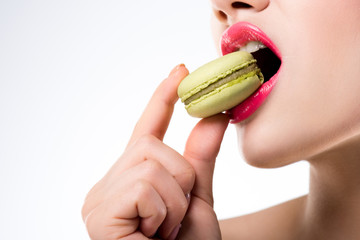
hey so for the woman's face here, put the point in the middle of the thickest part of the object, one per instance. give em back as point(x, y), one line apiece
point(315, 104)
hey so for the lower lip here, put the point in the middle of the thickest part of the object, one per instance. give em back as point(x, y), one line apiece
point(246, 108)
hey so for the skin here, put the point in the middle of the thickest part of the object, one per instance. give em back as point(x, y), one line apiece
point(313, 113)
point(147, 191)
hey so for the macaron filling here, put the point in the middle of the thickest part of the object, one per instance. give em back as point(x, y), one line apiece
point(220, 76)
point(220, 84)
point(238, 79)
point(240, 74)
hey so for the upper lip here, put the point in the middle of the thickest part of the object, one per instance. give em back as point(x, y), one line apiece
point(240, 34)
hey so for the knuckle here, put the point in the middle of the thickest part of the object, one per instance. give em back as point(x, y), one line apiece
point(189, 172)
point(183, 205)
point(146, 141)
point(186, 178)
point(152, 168)
point(178, 208)
point(161, 212)
point(92, 226)
point(89, 204)
point(142, 189)
point(84, 211)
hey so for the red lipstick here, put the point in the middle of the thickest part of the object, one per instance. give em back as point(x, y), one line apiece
point(235, 37)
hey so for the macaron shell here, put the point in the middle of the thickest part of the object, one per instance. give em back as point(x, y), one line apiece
point(212, 71)
point(224, 98)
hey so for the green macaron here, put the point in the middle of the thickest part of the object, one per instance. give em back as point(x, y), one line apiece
point(220, 84)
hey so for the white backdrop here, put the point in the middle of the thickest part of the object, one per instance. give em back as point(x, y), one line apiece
point(75, 76)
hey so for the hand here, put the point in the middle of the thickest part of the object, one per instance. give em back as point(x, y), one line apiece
point(201, 151)
point(147, 191)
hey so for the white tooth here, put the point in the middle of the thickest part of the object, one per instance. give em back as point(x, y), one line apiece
point(252, 46)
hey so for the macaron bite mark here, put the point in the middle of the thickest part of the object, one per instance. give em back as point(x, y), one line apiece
point(220, 84)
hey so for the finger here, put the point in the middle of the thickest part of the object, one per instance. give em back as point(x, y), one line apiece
point(201, 151)
point(151, 209)
point(149, 147)
point(119, 215)
point(169, 190)
point(163, 182)
point(156, 117)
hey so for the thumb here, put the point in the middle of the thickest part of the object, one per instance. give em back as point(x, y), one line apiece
point(201, 150)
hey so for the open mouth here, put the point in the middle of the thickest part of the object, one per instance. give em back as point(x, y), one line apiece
point(268, 62)
point(244, 36)
point(266, 59)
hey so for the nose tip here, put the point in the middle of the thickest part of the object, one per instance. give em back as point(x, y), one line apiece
point(225, 10)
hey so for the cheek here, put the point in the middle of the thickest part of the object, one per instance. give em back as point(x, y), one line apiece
point(304, 115)
point(315, 104)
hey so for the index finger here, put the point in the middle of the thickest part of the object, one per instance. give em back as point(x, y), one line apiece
point(156, 116)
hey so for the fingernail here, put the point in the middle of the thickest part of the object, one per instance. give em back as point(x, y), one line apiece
point(180, 65)
point(174, 233)
point(176, 68)
point(188, 197)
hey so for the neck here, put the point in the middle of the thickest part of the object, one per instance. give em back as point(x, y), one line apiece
point(333, 208)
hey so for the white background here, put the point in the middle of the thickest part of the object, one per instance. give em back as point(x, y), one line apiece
point(74, 77)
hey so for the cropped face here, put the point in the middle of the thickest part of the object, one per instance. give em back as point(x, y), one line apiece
point(314, 99)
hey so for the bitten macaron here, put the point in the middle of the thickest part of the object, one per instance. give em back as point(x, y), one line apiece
point(220, 84)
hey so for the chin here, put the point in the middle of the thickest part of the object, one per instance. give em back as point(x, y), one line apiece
point(260, 149)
